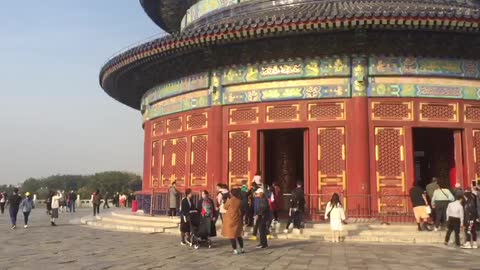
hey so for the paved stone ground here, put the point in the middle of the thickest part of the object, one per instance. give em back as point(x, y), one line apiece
point(74, 246)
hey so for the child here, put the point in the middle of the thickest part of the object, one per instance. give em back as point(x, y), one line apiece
point(27, 205)
point(455, 219)
point(334, 212)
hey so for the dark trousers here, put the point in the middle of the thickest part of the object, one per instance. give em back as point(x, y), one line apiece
point(262, 229)
point(275, 215)
point(25, 217)
point(296, 217)
point(105, 204)
point(172, 212)
point(72, 206)
point(234, 242)
point(96, 209)
point(453, 225)
point(255, 227)
point(2, 207)
point(440, 212)
point(13, 215)
point(471, 232)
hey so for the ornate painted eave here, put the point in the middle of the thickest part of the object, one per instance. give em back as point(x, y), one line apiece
point(306, 17)
point(166, 13)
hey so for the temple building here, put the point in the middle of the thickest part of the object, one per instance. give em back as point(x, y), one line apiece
point(362, 98)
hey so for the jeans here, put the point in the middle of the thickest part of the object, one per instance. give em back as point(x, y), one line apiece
point(2, 207)
point(440, 212)
point(96, 209)
point(297, 218)
point(262, 229)
point(453, 225)
point(13, 215)
point(72, 206)
point(25, 217)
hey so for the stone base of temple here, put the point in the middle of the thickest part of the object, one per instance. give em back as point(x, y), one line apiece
point(370, 231)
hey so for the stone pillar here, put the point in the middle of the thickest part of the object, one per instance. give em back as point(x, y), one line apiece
point(358, 147)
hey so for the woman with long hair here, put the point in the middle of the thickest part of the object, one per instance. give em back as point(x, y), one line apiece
point(335, 213)
point(232, 228)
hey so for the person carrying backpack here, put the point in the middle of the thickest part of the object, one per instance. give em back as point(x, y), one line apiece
point(222, 196)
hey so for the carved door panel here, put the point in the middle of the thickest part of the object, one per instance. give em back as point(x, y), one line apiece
point(476, 154)
point(239, 157)
point(174, 161)
point(198, 160)
point(156, 162)
point(458, 155)
point(331, 164)
point(390, 169)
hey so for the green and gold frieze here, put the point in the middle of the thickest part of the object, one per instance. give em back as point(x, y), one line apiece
point(186, 102)
point(309, 68)
point(287, 90)
point(424, 88)
point(176, 87)
point(424, 66)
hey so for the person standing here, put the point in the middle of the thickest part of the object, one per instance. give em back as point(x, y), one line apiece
point(432, 187)
point(186, 208)
point(440, 200)
point(207, 211)
point(232, 228)
point(470, 219)
point(173, 199)
point(96, 199)
point(27, 205)
point(419, 204)
point(297, 208)
point(335, 213)
point(3, 201)
point(73, 201)
point(455, 218)
point(244, 195)
point(48, 201)
point(262, 213)
point(222, 195)
point(14, 201)
point(106, 197)
point(55, 205)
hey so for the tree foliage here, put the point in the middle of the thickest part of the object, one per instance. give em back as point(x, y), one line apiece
point(85, 185)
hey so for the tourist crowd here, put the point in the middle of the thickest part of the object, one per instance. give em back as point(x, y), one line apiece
point(447, 209)
point(256, 207)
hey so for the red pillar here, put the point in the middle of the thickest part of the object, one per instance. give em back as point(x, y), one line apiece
point(215, 144)
point(147, 158)
point(358, 149)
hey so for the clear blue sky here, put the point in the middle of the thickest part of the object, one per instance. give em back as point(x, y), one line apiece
point(54, 117)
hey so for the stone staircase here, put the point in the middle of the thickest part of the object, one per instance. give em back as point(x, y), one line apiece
point(369, 231)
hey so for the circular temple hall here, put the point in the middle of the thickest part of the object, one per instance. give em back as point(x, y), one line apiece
point(364, 98)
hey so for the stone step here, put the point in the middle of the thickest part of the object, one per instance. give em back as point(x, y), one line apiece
point(141, 217)
point(153, 223)
point(123, 227)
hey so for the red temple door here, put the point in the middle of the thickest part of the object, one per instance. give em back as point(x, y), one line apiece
point(458, 156)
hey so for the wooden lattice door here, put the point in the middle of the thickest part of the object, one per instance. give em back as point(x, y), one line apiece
point(390, 170)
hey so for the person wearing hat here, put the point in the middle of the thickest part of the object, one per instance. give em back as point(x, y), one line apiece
point(27, 205)
point(262, 212)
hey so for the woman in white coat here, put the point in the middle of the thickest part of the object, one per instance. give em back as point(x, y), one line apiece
point(335, 213)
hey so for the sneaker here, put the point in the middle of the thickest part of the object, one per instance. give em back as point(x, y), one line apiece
point(269, 237)
point(183, 243)
point(13, 227)
point(26, 226)
point(475, 245)
point(253, 238)
point(436, 229)
point(466, 245)
point(259, 246)
point(242, 250)
point(236, 252)
point(285, 231)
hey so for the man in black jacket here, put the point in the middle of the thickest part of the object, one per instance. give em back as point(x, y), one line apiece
point(297, 207)
point(14, 202)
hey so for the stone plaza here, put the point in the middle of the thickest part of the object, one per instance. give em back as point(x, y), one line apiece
point(71, 245)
